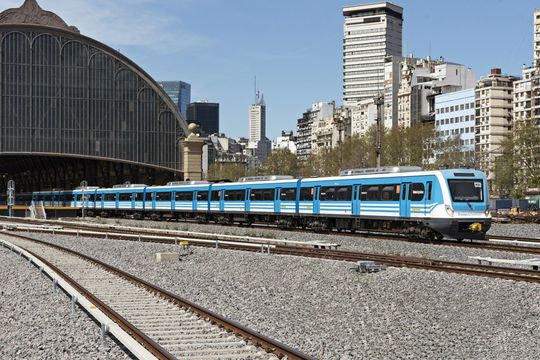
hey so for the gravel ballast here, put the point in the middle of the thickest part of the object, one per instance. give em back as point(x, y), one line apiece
point(330, 312)
point(359, 243)
point(36, 322)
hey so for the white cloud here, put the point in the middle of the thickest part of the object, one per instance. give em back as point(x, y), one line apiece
point(124, 23)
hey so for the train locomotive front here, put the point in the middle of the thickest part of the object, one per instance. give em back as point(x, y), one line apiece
point(464, 212)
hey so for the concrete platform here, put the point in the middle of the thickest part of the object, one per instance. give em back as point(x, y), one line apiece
point(167, 257)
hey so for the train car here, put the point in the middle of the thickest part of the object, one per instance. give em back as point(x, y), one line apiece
point(428, 204)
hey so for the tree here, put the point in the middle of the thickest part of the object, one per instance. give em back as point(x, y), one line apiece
point(526, 151)
point(450, 153)
point(281, 162)
point(227, 171)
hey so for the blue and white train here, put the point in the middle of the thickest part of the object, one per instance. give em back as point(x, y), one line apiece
point(428, 204)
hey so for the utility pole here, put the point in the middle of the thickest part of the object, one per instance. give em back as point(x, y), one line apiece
point(10, 197)
point(84, 185)
point(379, 102)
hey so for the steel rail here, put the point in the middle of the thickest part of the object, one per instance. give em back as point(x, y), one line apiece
point(268, 344)
point(154, 348)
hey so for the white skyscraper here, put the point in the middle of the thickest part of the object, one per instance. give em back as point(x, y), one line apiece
point(257, 119)
point(371, 33)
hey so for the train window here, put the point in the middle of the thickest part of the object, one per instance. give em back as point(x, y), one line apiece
point(306, 194)
point(215, 195)
point(390, 192)
point(163, 196)
point(202, 196)
point(138, 196)
point(429, 189)
point(262, 195)
point(184, 196)
point(344, 193)
point(110, 197)
point(327, 194)
point(288, 194)
point(91, 198)
point(235, 195)
point(99, 197)
point(124, 197)
point(370, 193)
point(416, 192)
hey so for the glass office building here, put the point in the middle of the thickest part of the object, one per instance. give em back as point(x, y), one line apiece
point(179, 92)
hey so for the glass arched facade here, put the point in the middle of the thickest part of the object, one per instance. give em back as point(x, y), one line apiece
point(63, 93)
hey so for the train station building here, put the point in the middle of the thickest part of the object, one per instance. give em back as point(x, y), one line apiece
point(74, 109)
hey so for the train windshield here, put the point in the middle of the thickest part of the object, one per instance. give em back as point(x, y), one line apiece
point(466, 190)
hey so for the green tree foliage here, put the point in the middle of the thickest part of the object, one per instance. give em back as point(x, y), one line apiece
point(281, 162)
point(226, 172)
point(450, 153)
point(526, 146)
point(517, 168)
point(503, 184)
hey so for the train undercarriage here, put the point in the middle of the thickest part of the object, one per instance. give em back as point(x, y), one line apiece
point(419, 229)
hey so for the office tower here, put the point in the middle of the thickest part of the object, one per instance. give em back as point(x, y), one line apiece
point(179, 92)
point(372, 32)
point(257, 119)
point(204, 114)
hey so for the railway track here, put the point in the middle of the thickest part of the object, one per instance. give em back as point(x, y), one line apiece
point(163, 324)
point(511, 244)
point(339, 255)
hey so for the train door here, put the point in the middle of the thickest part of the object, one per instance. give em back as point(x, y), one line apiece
point(316, 201)
point(405, 203)
point(418, 198)
point(277, 201)
point(356, 200)
point(221, 200)
point(247, 205)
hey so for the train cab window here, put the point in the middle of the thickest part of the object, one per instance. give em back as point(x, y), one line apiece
point(215, 196)
point(288, 194)
point(429, 189)
point(163, 196)
point(306, 194)
point(416, 192)
point(202, 196)
point(183, 196)
point(390, 192)
point(327, 194)
point(235, 195)
point(110, 197)
point(370, 193)
point(124, 197)
point(262, 195)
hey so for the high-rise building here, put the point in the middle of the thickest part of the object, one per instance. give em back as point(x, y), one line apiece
point(179, 92)
point(305, 126)
point(257, 119)
point(493, 113)
point(371, 33)
point(422, 80)
point(204, 114)
point(454, 118)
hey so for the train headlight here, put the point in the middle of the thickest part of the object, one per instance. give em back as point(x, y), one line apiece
point(449, 210)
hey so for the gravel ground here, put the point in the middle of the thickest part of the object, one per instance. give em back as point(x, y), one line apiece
point(36, 322)
point(330, 312)
point(370, 245)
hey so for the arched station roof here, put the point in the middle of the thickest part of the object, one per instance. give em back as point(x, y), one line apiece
point(63, 94)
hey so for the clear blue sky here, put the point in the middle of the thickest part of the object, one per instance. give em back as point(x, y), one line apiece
point(294, 47)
